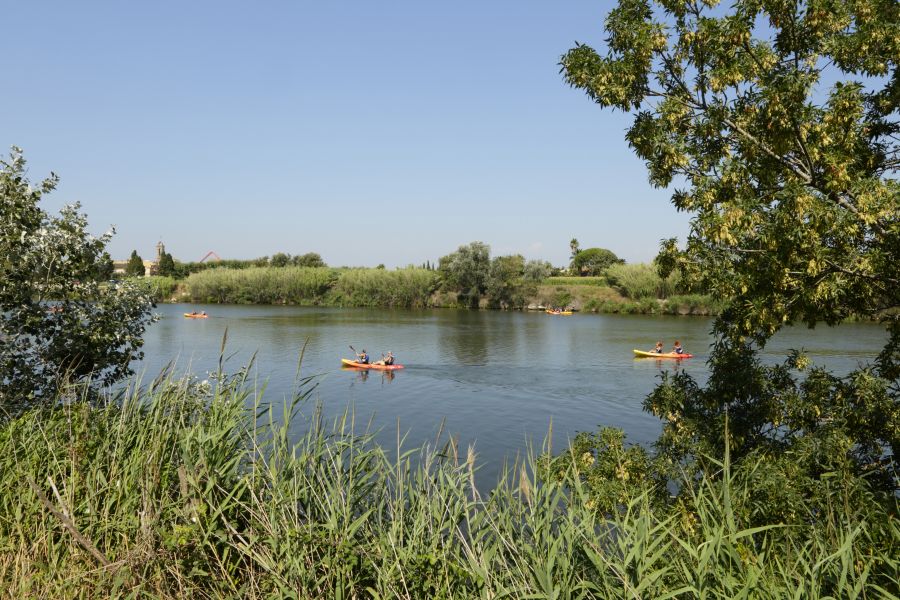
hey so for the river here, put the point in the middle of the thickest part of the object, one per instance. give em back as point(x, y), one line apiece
point(496, 380)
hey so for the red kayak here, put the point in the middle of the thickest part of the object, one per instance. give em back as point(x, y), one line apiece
point(352, 363)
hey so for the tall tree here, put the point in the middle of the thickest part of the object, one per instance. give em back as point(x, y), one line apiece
point(505, 286)
point(135, 266)
point(779, 122)
point(105, 267)
point(166, 265)
point(466, 270)
point(537, 270)
point(593, 261)
point(93, 329)
point(574, 248)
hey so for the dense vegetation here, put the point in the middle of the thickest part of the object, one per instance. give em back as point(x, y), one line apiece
point(507, 282)
point(194, 489)
point(59, 319)
point(410, 287)
point(780, 121)
point(767, 481)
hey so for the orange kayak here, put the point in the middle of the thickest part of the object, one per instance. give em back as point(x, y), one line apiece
point(642, 354)
point(195, 316)
point(564, 313)
point(352, 363)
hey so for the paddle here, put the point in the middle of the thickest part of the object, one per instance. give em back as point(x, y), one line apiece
point(355, 353)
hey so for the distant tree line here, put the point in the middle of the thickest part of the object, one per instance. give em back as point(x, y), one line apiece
point(169, 267)
point(504, 281)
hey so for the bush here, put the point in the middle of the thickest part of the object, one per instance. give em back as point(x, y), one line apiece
point(639, 281)
point(157, 287)
point(692, 304)
point(57, 320)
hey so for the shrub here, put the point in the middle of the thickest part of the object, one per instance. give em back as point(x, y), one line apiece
point(639, 281)
point(91, 329)
point(158, 287)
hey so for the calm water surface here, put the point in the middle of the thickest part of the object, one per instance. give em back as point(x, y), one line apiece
point(496, 379)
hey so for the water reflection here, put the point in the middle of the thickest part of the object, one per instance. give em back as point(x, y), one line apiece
point(494, 378)
point(362, 375)
point(467, 337)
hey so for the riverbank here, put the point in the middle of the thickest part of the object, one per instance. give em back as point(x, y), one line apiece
point(181, 488)
point(643, 293)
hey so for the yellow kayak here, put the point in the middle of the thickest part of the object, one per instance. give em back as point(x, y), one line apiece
point(564, 313)
point(352, 363)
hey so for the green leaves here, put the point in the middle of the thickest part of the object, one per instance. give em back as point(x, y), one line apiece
point(58, 320)
point(779, 121)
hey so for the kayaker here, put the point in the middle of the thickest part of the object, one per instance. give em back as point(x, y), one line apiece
point(677, 349)
point(362, 358)
point(385, 360)
point(658, 349)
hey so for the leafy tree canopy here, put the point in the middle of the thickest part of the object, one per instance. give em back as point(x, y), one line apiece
point(467, 269)
point(166, 265)
point(280, 259)
point(574, 247)
point(135, 266)
point(505, 284)
point(537, 270)
point(593, 261)
point(105, 267)
point(59, 319)
point(778, 122)
point(310, 259)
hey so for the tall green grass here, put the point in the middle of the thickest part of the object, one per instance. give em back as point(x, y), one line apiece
point(692, 304)
point(639, 281)
point(158, 287)
point(261, 285)
point(589, 281)
point(182, 489)
point(409, 288)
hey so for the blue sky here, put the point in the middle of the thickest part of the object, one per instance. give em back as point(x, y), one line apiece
point(387, 132)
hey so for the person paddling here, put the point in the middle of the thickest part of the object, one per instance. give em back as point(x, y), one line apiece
point(385, 360)
point(677, 348)
point(658, 349)
point(362, 358)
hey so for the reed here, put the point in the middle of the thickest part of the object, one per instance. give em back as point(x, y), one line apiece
point(160, 288)
point(639, 281)
point(261, 285)
point(408, 288)
point(692, 304)
point(180, 488)
point(411, 287)
point(587, 281)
